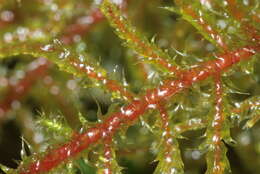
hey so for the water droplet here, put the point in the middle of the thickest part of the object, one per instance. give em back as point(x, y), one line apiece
point(7, 16)
point(64, 54)
point(37, 165)
point(55, 90)
point(68, 152)
point(195, 154)
point(23, 151)
point(38, 137)
point(57, 42)
point(71, 84)
point(8, 37)
point(161, 92)
point(85, 20)
point(118, 2)
point(215, 138)
point(38, 34)
point(91, 134)
point(246, 2)
point(48, 47)
point(168, 159)
point(4, 168)
point(244, 139)
point(76, 38)
point(221, 23)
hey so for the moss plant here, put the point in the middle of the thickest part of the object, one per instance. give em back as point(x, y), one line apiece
point(104, 97)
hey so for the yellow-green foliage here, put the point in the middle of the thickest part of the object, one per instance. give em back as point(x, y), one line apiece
point(90, 78)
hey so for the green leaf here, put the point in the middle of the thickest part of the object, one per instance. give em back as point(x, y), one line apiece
point(84, 167)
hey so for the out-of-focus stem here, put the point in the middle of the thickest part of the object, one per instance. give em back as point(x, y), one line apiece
point(35, 70)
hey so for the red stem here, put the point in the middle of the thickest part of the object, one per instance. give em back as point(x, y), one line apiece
point(19, 91)
point(26, 83)
point(217, 124)
point(112, 85)
point(128, 114)
point(108, 156)
point(239, 14)
point(79, 29)
point(148, 49)
point(166, 132)
point(206, 27)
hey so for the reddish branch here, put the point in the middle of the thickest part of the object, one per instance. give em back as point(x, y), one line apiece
point(148, 50)
point(217, 125)
point(168, 141)
point(108, 156)
point(15, 94)
point(129, 114)
point(82, 26)
point(112, 85)
point(206, 27)
point(239, 14)
point(36, 69)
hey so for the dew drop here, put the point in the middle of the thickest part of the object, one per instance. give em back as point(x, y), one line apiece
point(47, 47)
point(168, 159)
point(7, 16)
point(64, 54)
point(118, 2)
point(37, 34)
point(206, 3)
point(161, 92)
point(244, 139)
point(222, 24)
point(71, 84)
point(4, 168)
point(86, 20)
point(37, 165)
point(195, 154)
point(23, 151)
point(246, 2)
point(90, 134)
point(38, 137)
point(68, 152)
point(8, 37)
point(216, 138)
point(55, 90)
point(77, 38)
point(20, 74)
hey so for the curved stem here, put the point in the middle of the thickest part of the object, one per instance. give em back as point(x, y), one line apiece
point(129, 114)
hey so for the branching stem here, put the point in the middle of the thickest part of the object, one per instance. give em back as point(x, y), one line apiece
point(129, 114)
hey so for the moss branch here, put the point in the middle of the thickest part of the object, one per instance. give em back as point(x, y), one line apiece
point(216, 156)
point(135, 39)
point(129, 114)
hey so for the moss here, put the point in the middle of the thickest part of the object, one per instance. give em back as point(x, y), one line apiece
point(137, 106)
